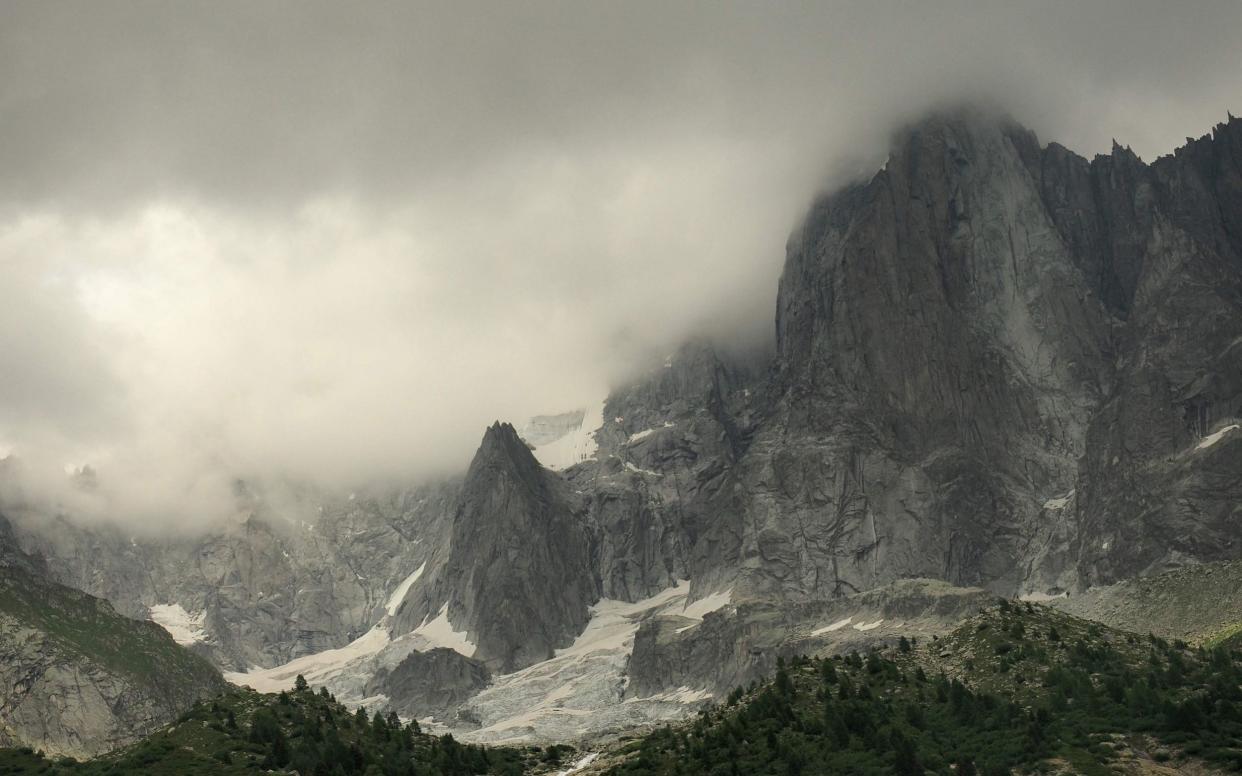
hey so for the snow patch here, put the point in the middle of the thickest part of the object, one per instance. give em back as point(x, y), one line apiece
point(185, 628)
point(836, 626)
point(1212, 439)
point(866, 626)
point(646, 432)
point(696, 610)
point(439, 633)
point(682, 694)
point(398, 595)
point(1059, 503)
point(581, 689)
point(579, 764)
point(576, 444)
point(711, 603)
point(316, 668)
point(631, 467)
point(614, 623)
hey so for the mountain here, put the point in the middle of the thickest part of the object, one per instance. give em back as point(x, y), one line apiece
point(1000, 364)
point(998, 368)
point(76, 678)
point(291, 574)
point(518, 576)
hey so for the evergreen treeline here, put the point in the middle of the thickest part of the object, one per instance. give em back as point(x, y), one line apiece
point(243, 732)
point(1020, 689)
point(1035, 695)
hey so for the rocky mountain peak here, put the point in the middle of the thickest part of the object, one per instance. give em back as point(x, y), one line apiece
point(503, 450)
point(518, 576)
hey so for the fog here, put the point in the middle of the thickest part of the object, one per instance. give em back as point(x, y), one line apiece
point(329, 243)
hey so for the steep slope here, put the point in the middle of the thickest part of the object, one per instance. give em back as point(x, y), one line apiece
point(518, 576)
point(76, 678)
point(975, 383)
point(1160, 481)
point(663, 490)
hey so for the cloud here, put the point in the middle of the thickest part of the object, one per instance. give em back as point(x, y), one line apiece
point(314, 242)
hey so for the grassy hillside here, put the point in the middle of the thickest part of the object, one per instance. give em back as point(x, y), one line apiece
point(82, 626)
point(1018, 689)
point(244, 732)
point(78, 678)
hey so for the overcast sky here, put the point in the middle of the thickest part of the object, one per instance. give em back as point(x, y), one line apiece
point(330, 242)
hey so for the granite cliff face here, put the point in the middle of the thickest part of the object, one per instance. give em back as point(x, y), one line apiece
point(1001, 365)
point(78, 679)
point(940, 356)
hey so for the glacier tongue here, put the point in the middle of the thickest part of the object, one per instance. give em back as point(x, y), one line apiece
point(580, 691)
point(322, 668)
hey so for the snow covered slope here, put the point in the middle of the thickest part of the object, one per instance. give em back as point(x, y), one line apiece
point(560, 441)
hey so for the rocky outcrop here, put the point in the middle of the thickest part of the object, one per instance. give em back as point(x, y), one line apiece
point(739, 645)
point(939, 359)
point(1200, 604)
point(1158, 485)
point(663, 493)
point(518, 576)
point(430, 684)
point(78, 679)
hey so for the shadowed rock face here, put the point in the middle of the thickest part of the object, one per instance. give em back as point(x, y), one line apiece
point(1152, 492)
point(981, 330)
point(430, 683)
point(939, 358)
point(518, 576)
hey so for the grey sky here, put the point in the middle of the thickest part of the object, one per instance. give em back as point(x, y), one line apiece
point(332, 241)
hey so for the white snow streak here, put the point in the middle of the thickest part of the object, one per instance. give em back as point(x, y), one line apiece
point(185, 628)
point(316, 668)
point(398, 595)
point(631, 467)
point(579, 764)
point(836, 626)
point(1059, 503)
point(697, 609)
point(439, 633)
point(1212, 439)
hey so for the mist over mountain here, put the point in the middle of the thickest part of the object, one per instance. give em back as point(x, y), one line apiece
point(324, 254)
point(520, 388)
